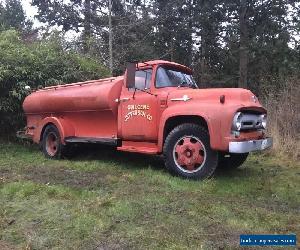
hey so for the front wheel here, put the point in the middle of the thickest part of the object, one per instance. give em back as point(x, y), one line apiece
point(188, 154)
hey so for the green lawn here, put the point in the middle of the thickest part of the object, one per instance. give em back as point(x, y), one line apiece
point(104, 199)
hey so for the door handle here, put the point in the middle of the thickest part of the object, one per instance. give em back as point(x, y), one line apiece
point(122, 100)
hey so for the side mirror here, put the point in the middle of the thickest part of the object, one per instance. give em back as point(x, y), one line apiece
point(130, 75)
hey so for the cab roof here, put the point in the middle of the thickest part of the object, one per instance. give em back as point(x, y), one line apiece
point(167, 63)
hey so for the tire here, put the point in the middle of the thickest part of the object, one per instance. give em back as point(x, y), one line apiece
point(232, 161)
point(187, 152)
point(51, 143)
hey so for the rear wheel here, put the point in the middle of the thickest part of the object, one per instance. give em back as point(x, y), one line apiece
point(232, 161)
point(51, 143)
point(188, 154)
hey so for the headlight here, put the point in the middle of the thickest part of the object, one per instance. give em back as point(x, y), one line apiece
point(263, 121)
point(237, 123)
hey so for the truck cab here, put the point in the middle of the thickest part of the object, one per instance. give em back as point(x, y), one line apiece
point(155, 108)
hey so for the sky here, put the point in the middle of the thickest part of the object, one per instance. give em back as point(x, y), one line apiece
point(30, 12)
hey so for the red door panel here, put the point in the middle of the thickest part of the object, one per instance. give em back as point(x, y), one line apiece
point(138, 116)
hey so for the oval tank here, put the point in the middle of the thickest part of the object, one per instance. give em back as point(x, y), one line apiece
point(83, 96)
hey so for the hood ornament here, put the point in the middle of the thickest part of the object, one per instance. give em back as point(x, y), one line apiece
point(185, 98)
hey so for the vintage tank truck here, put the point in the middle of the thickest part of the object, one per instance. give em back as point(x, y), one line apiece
point(155, 108)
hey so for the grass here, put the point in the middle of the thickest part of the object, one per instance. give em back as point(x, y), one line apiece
point(283, 107)
point(103, 199)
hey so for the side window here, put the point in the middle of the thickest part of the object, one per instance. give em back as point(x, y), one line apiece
point(143, 79)
point(162, 79)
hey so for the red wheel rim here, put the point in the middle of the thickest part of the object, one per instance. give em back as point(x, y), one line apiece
point(51, 144)
point(189, 154)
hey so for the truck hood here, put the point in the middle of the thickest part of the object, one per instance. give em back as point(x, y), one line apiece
point(232, 96)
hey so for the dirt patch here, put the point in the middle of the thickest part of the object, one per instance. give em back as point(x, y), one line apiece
point(5, 174)
point(67, 177)
point(111, 245)
point(6, 246)
point(220, 236)
point(57, 175)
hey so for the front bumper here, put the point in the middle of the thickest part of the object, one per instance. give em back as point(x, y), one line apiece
point(240, 147)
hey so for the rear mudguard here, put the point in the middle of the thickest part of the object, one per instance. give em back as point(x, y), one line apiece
point(64, 127)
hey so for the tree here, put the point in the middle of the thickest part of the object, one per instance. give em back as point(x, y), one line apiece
point(12, 16)
point(98, 21)
point(37, 64)
point(230, 43)
point(72, 15)
point(257, 39)
point(173, 30)
point(208, 53)
point(244, 40)
point(272, 57)
point(132, 33)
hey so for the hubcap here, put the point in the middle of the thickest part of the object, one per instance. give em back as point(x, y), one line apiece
point(51, 144)
point(189, 154)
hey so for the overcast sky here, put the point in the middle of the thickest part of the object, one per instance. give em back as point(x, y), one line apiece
point(30, 11)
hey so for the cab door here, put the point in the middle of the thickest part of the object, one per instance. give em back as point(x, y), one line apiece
point(138, 110)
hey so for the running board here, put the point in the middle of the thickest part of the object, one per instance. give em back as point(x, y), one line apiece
point(105, 141)
point(139, 147)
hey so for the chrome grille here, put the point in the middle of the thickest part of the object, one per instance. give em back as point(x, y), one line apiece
point(248, 121)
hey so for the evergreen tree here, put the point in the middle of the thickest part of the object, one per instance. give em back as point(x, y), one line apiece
point(12, 16)
point(228, 43)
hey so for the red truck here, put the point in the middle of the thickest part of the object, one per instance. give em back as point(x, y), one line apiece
point(155, 108)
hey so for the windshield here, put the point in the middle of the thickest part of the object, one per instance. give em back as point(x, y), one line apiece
point(168, 77)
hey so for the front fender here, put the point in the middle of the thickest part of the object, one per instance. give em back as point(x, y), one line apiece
point(64, 127)
point(205, 111)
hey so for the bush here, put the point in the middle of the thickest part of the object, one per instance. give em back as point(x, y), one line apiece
point(37, 64)
point(283, 107)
